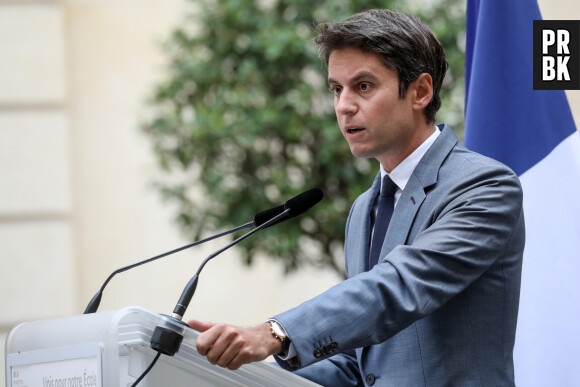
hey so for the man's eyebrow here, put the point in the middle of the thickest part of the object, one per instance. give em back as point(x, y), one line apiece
point(356, 78)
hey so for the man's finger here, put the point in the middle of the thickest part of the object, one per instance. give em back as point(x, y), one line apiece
point(207, 337)
point(199, 325)
point(227, 354)
point(224, 340)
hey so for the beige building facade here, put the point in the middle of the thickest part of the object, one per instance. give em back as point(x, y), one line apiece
point(76, 200)
point(75, 171)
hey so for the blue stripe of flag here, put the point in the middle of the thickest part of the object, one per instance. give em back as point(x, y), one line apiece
point(504, 117)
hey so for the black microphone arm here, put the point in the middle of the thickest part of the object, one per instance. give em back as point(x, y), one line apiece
point(189, 289)
point(259, 219)
point(292, 208)
point(168, 334)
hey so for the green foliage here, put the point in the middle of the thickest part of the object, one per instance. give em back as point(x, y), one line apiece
point(245, 121)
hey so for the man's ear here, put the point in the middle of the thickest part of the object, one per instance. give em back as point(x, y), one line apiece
point(422, 91)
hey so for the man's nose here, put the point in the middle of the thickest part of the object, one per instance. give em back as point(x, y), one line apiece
point(346, 103)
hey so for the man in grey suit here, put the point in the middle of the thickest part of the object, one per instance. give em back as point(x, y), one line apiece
point(434, 300)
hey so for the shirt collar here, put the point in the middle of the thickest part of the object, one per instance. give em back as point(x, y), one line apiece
point(402, 172)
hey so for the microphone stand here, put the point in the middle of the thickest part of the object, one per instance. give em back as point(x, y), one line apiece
point(167, 338)
point(168, 335)
point(293, 207)
point(96, 300)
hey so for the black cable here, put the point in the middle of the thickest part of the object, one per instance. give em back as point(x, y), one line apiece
point(147, 370)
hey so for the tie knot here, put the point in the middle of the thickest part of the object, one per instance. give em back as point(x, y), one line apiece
point(388, 188)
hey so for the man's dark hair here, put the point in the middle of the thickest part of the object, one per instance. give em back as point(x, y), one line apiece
point(402, 42)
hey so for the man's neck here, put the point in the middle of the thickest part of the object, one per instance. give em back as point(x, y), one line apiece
point(390, 162)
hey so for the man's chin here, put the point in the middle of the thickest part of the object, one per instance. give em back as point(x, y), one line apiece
point(361, 153)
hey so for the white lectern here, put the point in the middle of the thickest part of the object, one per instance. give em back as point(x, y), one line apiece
point(112, 349)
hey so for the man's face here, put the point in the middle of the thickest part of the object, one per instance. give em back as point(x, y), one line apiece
point(373, 119)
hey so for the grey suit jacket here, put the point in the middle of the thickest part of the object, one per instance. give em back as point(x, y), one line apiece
point(440, 308)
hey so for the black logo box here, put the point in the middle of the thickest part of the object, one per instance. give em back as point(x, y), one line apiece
point(573, 64)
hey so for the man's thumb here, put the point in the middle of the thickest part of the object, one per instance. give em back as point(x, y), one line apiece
point(199, 325)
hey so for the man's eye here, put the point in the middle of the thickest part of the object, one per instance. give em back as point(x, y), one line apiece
point(365, 86)
point(335, 90)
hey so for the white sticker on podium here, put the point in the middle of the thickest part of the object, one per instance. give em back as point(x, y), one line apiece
point(81, 372)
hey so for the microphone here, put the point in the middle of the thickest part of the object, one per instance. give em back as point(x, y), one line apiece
point(297, 205)
point(264, 216)
point(292, 208)
point(167, 338)
point(259, 219)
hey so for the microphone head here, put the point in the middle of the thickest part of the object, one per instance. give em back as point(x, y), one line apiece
point(264, 216)
point(299, 204)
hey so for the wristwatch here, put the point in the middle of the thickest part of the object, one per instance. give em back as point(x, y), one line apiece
point(281, 335)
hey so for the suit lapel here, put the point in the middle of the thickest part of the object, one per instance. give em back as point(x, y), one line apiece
point(424, 176)
point(363, 220)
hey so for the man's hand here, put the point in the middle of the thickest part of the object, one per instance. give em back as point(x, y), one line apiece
point(231, 347)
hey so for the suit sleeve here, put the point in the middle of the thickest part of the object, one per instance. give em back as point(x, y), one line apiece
point(339, 370)
point(462, 235)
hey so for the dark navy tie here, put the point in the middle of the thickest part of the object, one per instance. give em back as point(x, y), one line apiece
point(384, 213)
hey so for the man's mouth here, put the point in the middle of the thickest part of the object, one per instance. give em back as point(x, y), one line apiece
point(354, 130)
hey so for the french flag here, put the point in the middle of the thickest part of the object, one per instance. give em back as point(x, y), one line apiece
point(533, 132)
